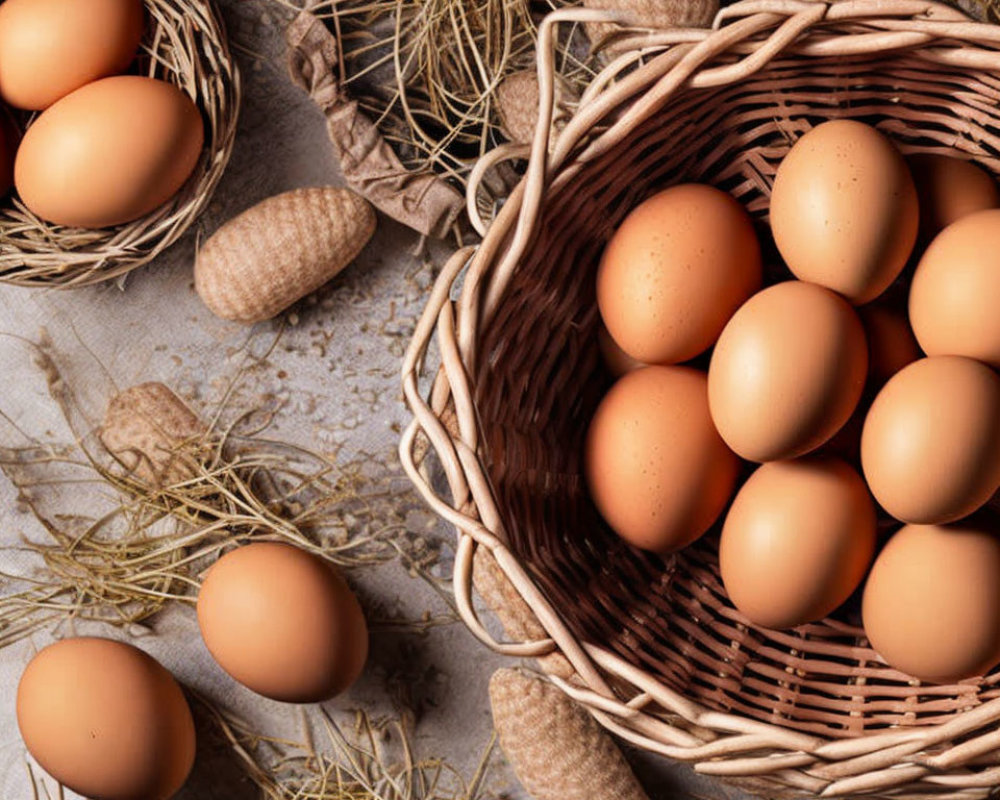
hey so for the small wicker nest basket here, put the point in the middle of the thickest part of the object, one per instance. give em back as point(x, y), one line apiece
point(653, 648)
point(185, 43)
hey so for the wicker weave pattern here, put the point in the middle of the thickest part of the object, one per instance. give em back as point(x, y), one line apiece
point(185, 44)
point(660, 656)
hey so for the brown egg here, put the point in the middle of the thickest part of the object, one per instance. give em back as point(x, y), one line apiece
point(787, 371)
point(674, 272)
point(949, 189)
point(797, 541)
point(956, 288)
point(657, 470)
point(615, 359)
point(930, 448)
point(844, 209)
point(49, 48)
point(108, 153)
point(106, 720)
point(283, 622)
point(931, 606)
point(891, 344)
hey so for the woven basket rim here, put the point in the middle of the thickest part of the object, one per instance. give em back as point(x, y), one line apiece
point(184, 43)
point(927, 760)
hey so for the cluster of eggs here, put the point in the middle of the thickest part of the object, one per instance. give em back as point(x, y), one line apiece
point(106, 720)
point(865, 378)
point(106, 148)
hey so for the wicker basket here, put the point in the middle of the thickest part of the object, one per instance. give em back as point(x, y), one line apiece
point(185, 43)
point(654, 649)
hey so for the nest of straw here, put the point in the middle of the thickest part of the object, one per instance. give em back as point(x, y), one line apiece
point(185, 44)
point(427, 71)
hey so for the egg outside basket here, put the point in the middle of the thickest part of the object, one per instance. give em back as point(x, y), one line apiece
point(653, 649)
point(185, 44)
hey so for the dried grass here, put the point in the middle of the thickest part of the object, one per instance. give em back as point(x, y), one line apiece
point(990, 9)
point(374, 761)
point(427, 70)
point(145, 546)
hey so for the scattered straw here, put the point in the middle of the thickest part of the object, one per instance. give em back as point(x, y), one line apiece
point(146, 545)
point(989, 9)
point(374, 761)
point(427, 71)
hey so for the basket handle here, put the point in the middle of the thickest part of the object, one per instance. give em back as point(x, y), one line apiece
point(467, 482)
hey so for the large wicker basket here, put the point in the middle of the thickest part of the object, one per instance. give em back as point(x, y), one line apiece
point(185, 43)
point(654, 649)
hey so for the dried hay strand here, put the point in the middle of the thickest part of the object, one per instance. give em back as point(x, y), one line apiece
point(373, 761)
point(427, 71)
point(986, 10)
point(129, 544)
point(185, 43)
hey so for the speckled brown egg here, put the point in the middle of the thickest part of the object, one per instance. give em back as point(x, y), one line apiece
point(931, 442)
point(49, 48)
point(655, 465)
point(787, 371)
point(955, 291)
point(674, 272)
point(283, 622)
point(891, 344)
point(797, 541)
point(106, 720)
point(949, 188)
point(844, 209)
point(109, 153)
point(931, 606)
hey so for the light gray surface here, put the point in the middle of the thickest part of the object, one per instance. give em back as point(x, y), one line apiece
point(336, 369)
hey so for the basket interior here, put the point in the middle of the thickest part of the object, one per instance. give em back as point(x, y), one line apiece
point(541, 377)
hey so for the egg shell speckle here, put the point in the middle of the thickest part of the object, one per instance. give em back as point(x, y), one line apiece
point(674, 272)
point(657, 469)
point(844, 209)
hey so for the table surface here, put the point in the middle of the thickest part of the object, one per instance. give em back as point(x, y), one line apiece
point(334, 370)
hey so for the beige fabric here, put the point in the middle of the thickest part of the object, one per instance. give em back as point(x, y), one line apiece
point(556, 748)
point(421, 200)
